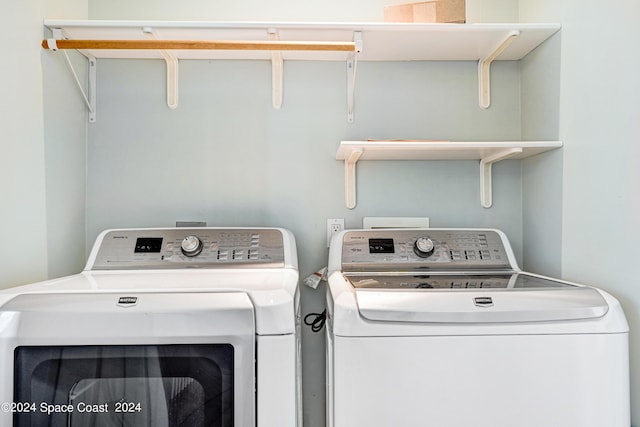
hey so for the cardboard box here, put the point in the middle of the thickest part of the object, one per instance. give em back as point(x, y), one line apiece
point(445, 11)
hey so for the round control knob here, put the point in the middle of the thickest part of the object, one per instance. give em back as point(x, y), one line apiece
point(423, 247)
point(191, 246)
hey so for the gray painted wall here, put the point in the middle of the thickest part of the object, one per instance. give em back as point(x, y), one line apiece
point(65, 126)
point(598, 124)
point(542, 174)
point(227, 157)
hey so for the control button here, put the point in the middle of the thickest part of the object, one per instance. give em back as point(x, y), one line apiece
point(423, 247)
point(424, 285)
point(191, 246)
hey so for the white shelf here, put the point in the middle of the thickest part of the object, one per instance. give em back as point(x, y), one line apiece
point(486, 152)
point(368, 42)
point(381, 41)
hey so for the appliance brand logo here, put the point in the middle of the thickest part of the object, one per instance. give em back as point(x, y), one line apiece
point(483, 301)
point(127, 301)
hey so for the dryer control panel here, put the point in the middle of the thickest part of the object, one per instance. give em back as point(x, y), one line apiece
point(190, 248)
point(440, 249)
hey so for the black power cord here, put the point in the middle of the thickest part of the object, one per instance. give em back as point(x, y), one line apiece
point(316, 320)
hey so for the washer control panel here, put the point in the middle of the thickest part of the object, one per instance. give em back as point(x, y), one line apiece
point(190, 247)
point(373, 250)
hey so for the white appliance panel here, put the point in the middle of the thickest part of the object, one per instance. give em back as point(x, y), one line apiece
point(277, 360)
point(77, 320)
point(439, 327)
point(181, 300)
point(480, 381)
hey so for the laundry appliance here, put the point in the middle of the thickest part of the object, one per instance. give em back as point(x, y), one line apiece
point(164, 327)
point(439, 327)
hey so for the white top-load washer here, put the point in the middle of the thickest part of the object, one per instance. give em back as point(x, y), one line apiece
point(164, 328)
point(439, 327)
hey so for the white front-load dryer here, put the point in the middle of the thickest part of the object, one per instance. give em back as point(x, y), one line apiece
point(164, 328)
point(439, 327)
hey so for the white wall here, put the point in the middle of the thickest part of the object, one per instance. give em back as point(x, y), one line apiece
point(285, 10)
point(599, 105)
point(23, 248)
point(25, 161)
point(231, 10)
point(491, 11)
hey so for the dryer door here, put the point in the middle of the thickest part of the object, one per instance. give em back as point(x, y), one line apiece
point(154, 359)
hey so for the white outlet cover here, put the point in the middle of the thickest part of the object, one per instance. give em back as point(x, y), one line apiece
point(335, 221)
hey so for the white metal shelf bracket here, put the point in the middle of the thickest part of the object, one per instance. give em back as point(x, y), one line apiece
point(277, 72)
point(89, 96)
point(352, 62)
point(93, 79)
point(172, 71)
point(350, 178)
point(486, 198)
point(172, 79)
point(484, 69)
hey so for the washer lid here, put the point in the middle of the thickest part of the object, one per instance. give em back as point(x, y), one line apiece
point(454, 298)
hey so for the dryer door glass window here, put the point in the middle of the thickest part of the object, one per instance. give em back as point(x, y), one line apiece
point(137, 386)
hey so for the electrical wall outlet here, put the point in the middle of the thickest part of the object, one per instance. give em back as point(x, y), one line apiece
point(334, 226)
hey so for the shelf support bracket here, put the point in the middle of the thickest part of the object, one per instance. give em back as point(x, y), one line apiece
point(89, 96)
point(352, 61)
point(484, 69)
point(277, 72)
point(172, 71)
point(350, 178)
point(172, 79)
point(486, 197)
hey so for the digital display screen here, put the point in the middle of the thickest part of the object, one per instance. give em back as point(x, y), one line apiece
point(145, 245)
point(381, 246)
